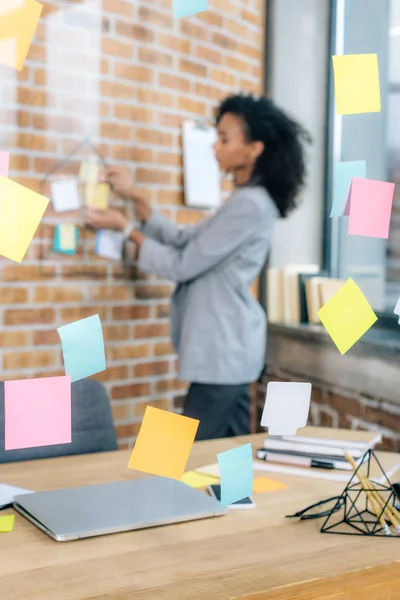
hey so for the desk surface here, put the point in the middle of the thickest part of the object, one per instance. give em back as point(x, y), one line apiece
point(241, 553)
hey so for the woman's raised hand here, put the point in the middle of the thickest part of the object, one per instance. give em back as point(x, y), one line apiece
point(121, 182)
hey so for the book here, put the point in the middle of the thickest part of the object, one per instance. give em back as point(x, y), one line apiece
point(313, 298)
point(303, 278)
point(328, 288)
point(275, 295)
point(390, 462)
point(336, 437)
point(291, 290)
point(312, 449)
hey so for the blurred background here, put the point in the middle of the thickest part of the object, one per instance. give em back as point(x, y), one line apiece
point(118, 78)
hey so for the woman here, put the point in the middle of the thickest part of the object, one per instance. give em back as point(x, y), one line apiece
point(218, 329)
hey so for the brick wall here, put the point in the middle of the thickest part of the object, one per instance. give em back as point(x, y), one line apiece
point(124, 73)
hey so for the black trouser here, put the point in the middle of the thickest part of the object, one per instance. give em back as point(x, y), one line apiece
point(223, 410)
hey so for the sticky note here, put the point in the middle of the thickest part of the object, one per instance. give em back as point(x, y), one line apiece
point(197, 480)
point(97, 194)
point(66, 237)
point(347, 316)
point(37, 412)
point(185, 8)
point(89, 171)
point(210, 470)
point(83, 347)
point(18, 23)
point(8, 493)
point(356, 84)
point(4, 163)
point(370, 207)
point(7, 523)
point(21, 211)
point(65, 195)
point(236, 474)
point(164, 443)
point(344, 173)
point(265, 484)
point(397, 309)
point(286, 408)
point(109, 244)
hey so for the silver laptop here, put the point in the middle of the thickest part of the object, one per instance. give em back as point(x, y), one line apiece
point(75, 513)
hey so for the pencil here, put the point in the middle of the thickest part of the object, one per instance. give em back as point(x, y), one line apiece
point(391, 512)
point(370, 496)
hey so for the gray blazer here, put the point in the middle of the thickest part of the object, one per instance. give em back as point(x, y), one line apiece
point(218, 329)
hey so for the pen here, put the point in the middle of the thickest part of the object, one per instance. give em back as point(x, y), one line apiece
point(302, 461)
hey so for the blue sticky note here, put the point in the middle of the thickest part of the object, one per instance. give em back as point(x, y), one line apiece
point(236, 474)
point(185, 8)
point(83, 347)
point(344, 173)
point(57, 241)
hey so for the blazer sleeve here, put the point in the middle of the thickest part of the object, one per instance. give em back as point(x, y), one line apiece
point(223, 234)
point(164, 231)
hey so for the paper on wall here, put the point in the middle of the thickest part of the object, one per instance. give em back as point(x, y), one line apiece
point(109, 244)
point(65, 195)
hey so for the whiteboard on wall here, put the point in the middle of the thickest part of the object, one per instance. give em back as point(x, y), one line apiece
point(201, 171)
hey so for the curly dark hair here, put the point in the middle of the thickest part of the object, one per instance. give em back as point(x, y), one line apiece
point(281, 166)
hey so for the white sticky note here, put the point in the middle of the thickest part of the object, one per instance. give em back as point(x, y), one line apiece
point(65, 195)
point(286, 407)
point(397, 309)
point(8, 493)
point(109, 244)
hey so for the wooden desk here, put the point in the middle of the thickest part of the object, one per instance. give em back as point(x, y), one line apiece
point(244, 552)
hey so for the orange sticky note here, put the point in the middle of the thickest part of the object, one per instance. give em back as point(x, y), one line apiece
point(18, 22)
point(265, 484)
point(163, 444)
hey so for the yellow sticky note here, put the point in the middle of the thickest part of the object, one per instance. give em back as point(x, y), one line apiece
point(21, 211)
point(7, 523)
point(347, 316)
point(265, 484)
point(67, 236)
point(18, 22)
point(197, 480)
point(163, 444)
point(96, 195)
point(210, 470)
point(89, 171)
point(356, 83)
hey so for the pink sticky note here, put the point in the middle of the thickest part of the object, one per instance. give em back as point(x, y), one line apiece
point(370, 207)
point(4, 163)
point(37, 412)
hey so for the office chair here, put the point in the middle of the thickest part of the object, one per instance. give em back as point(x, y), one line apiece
point(92, 425)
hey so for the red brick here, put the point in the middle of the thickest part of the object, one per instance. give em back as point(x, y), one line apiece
point(126, 313)
point(13, 295)
point(28, 316)
point(132, 390)
point(128, 352)
point(128, 430)
point(134, 73)
point(58, 294)
point(10, 339)
point(161, 403)
point(29, 360)
point(151, 330)
point(151, 369)
point(46, 337)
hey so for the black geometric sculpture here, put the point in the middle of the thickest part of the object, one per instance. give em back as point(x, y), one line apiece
point(354, 514)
